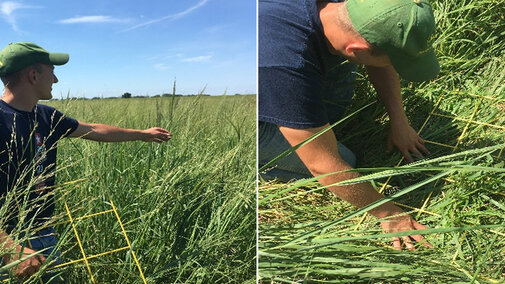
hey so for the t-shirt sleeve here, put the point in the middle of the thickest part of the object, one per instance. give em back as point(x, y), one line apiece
point(61, 125)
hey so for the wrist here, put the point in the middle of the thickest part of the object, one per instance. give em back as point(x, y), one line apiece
point(386, 210)
point(398, 120)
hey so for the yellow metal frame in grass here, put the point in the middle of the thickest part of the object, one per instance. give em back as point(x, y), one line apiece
point(85, 257)
point(468, 123)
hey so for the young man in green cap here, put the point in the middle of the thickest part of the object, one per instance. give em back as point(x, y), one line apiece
point(305, 83)
point(29, 133)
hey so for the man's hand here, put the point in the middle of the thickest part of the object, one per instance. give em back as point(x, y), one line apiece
point(387, 84)
point(156, 134)
point(406, 139)
point(404, 223)
point(28, 267)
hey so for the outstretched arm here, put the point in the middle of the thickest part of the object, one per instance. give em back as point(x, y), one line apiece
point(109, 133)
point(401, 135)
point(321, 156)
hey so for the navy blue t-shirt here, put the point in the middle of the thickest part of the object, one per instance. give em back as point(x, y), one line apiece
point(28, 143)
point(293, 61)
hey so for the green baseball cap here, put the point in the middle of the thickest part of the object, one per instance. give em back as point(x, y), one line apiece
point(19, 55)
point(404, 29)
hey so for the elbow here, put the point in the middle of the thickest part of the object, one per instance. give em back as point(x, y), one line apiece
point(318, 168)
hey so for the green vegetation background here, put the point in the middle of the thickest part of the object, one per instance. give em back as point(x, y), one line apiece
point(188, 205)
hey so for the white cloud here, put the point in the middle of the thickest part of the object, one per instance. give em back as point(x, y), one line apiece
point(161, 66)
point(201, 58)
point(7, 8)
point(170, 17)
point(91, 19)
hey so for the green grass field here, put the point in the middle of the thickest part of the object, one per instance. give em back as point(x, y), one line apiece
point(187, 206)
point(308, 235)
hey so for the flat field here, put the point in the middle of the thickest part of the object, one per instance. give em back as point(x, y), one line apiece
point(187, 206)
point(308, 235)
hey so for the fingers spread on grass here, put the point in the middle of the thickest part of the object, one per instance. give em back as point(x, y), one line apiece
point(416, 152)
point(407, 156)
point(422, 148)
point(396, 243)
point(408, 242)
point(419, 238)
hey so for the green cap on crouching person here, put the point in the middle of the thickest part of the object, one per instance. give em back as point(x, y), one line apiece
point(19, 55)
point(404, 29)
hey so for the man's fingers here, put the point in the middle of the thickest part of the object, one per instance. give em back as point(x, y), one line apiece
point(26, 272)
point(420, 239)
point(407, 156)
point(41, 258)
point(159, 129)
point(162, 130)
point(396, 243)
point(406, 225)
point(164, 135)
point(159, 137)
point(423, 149)
point(408, 242)
point(416, 152)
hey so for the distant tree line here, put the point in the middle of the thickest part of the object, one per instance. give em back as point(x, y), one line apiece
point(128, 95)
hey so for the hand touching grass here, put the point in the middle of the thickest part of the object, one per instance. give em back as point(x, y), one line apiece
point(28, 267)
point(406, 139)
point(156, 134)
point(404, 223)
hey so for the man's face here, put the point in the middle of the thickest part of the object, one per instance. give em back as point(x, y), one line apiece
point(45, 81)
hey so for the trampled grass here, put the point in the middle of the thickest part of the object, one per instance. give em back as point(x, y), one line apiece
point(307, 234)
point(187, 206)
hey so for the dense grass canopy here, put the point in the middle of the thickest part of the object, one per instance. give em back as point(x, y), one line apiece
point(307, 234)
point(187, 206)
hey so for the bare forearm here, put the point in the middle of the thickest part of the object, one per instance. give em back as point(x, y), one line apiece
point(108, 133)
point(359, 195)
point(401, 134)
point(321, 157)
point(387, 85)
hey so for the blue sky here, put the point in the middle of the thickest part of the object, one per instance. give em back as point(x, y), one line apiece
point(141, 46)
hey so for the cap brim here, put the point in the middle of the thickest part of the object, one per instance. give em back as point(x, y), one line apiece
point(58, 58)
point(420, 68)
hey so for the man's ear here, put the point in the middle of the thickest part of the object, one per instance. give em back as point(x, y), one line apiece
point(356, 47)
point(31, 75)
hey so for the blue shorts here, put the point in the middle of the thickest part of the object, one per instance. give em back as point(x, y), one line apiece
point(271, 143)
